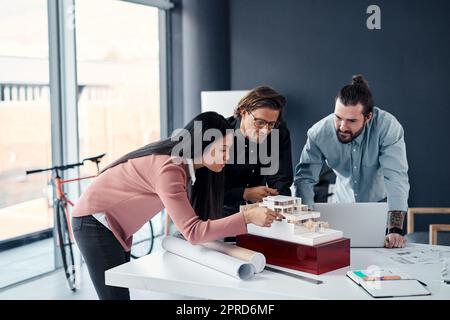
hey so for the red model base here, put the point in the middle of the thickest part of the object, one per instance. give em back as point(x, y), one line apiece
point(317, 259)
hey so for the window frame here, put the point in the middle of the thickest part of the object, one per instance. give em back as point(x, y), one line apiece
point(64, 83)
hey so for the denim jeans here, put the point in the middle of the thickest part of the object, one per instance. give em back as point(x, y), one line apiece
point(101, 251)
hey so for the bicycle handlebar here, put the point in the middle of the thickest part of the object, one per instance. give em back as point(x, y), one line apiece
point(68, 166)
point(34, 171)
point(94, 159)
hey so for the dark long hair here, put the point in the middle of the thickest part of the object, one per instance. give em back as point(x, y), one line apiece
point(206, 195)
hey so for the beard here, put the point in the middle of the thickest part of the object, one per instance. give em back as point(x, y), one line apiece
point(347, 136)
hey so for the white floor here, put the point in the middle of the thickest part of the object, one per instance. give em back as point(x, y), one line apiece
point(53, 286)
point(26, 261)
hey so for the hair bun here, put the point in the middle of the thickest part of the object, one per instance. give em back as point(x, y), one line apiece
point(359, 80)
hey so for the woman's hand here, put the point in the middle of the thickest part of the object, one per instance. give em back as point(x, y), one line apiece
point(261, 216)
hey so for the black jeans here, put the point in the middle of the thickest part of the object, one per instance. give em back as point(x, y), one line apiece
point(101, 251)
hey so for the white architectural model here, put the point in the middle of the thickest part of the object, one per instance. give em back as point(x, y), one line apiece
point(298, 225)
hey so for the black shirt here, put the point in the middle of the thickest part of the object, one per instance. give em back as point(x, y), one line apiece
point(248, 174)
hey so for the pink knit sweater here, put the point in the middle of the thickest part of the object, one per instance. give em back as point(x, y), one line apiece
point(133, 192)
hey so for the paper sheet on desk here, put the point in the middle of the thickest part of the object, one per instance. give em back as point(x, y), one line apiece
point(210, 258)
point(413, 255)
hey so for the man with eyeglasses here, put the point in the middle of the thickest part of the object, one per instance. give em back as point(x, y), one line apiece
point(256, 117)
point(365, 148)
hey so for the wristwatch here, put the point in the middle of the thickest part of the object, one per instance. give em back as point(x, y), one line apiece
point(395, 230)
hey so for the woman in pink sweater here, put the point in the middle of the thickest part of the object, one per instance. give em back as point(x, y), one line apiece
point(136, 187)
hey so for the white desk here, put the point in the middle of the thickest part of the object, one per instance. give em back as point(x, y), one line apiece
point(169, 273)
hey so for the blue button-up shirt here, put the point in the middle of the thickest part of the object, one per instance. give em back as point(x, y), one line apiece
point(369, 169)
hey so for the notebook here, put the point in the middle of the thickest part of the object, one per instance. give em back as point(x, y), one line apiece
point(388, 283)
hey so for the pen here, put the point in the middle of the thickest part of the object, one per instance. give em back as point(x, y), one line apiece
point(382, 278)
point(394, 278)
point(422, 283)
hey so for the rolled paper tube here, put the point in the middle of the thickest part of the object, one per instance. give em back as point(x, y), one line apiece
point(255, 258)
point(210, 258)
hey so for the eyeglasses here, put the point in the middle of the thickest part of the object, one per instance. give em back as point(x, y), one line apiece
point(261, 123)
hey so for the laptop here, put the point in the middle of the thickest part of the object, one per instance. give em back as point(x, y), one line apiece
point(364, 223)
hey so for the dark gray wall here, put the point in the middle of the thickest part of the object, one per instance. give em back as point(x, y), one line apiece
point(200, 55)
point(205, 48)
point(175, 118)
point(308, 49)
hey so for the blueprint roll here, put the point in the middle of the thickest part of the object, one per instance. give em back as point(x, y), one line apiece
point(210, 258)
point(255, 258)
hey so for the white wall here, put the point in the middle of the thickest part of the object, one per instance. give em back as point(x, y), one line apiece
point(222, 102)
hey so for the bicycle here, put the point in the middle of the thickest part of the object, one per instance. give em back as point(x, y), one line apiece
point(143, 241)
point(143, 244)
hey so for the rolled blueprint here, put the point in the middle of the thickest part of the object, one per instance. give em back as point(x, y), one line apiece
point(209, 258)
point(255, 258)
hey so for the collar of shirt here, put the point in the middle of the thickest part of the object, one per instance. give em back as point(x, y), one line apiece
point(237, 128)
point(191, 169)
point(234, 122)
point(367, 127)
point(240, 135)
point(360, 138)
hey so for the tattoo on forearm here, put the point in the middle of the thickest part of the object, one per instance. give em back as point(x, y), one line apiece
point(396, 219)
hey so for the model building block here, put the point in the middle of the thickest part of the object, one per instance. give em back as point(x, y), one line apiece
point(299, 226)
point(316, 259)
point(302, 241)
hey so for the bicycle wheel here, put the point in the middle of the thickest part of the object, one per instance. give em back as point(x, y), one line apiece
point(143, 241)
point(65, 245)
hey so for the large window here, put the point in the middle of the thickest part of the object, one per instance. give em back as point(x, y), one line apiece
point(117, 46)
point(25, 140)
point(118, 76)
